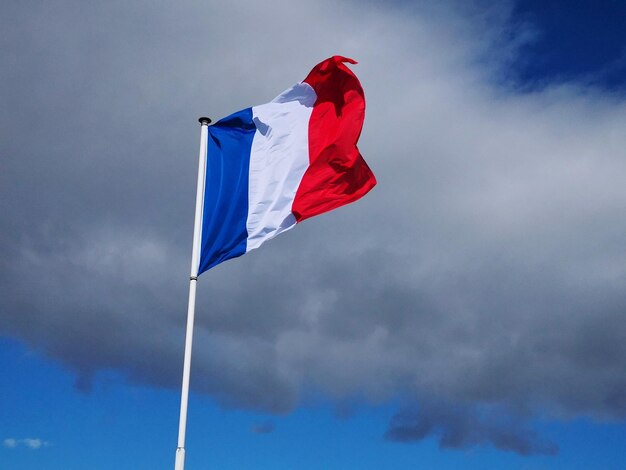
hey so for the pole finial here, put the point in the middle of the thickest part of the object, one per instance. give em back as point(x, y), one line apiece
point(204, 120)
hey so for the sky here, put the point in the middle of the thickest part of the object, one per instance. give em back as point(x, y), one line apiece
point(469, 312)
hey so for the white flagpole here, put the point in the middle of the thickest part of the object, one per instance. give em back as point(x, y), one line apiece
point(193, 279)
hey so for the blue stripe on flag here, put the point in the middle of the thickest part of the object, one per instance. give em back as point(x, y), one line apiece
point(224, 233)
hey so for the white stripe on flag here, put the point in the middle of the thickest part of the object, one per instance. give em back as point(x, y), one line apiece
point(279, 158)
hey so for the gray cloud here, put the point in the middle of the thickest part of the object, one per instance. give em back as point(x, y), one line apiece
point(461, 427)
point(487, 267)
point(266, 427)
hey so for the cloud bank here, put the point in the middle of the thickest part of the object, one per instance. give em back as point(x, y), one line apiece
point(485, 271)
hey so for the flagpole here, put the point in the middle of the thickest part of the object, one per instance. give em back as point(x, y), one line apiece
point(193, 279)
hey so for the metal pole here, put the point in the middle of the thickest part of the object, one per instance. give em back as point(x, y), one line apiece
point(193, 279)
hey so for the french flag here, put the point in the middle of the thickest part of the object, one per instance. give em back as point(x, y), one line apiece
point(272, 166)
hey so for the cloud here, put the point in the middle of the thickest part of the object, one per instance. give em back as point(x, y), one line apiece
point(30, 443)
point(10, 443)
point(265, 427)
point(34, 443)
point(462, 427)
point(487, 267)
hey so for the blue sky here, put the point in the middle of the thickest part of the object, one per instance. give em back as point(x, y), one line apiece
point(580, 41)
point(117, 425)
point(485, 303)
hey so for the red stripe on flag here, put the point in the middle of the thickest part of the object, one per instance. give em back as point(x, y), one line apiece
point(337, 174)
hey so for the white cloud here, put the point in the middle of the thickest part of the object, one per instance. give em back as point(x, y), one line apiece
point(10, 442)
point(29, 442)
point(34, 443)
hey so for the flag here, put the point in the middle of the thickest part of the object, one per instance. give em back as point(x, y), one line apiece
point(272, 166)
